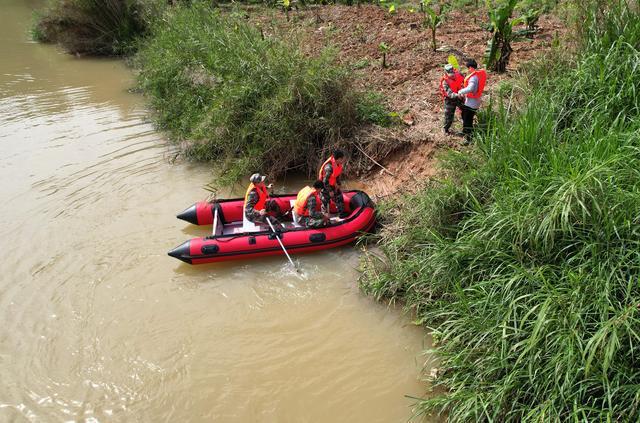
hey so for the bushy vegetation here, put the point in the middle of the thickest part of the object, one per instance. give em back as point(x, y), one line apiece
point(248, 102)
point(97, 27)
point(525, 261)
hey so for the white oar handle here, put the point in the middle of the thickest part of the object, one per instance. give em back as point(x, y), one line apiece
point(281, 244)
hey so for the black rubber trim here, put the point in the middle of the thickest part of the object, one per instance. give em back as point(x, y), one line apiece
point(210, 249)
point(319, 237)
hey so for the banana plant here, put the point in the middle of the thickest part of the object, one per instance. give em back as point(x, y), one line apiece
point(384, 49)
point(530, 17)
point(501, 25)
point(433, 18)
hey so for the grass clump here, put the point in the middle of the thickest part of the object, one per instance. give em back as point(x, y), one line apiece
point(245, 101)
point(525, 261)
point(371, 108)
point(96, 27)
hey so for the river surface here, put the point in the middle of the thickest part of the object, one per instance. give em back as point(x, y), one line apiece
point(99, 324)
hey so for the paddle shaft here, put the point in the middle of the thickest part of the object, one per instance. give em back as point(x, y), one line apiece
point(281, 244)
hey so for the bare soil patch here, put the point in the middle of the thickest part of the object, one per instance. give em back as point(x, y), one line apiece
point(410, 82)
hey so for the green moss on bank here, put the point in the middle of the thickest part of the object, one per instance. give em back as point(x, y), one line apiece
point(525, 262)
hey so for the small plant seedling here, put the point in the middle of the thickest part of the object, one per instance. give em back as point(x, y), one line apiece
point(384, 49)
point(433, 18)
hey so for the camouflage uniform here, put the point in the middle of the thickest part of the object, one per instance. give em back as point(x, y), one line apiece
point(253, 215)
point(315, 218)
point(451, 103)
point(325, 193)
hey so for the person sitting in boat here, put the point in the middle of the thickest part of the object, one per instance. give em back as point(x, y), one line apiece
point(329, 174)
point(257, 205)
point(308, 208)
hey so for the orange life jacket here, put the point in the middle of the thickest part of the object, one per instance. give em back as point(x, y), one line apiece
point(263, 195)
point(337, 170)
point(301, 201)
point(482, 79)
point(455, 83)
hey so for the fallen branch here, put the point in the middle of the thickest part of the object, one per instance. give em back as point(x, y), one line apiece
point(370, 158)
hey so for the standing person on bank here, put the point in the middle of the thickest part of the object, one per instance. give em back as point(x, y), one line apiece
point(308, 208)
point(257, 204)
point(450, 83)
point(329, 174)
point(471, 92)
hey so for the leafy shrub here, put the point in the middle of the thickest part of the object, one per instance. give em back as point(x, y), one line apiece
point(246, 102)
point(97, 27)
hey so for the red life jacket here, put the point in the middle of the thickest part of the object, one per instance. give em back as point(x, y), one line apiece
point(301, 201)
point(455, 82)
point(482, 79)
point(337, 170)
point(263, 196)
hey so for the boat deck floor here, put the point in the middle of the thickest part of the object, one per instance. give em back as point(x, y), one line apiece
point(244, 227)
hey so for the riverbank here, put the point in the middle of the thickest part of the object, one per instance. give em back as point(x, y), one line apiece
point(522, 258)
point(409, 84)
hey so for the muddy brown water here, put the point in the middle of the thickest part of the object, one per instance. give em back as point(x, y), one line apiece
point(99, 324)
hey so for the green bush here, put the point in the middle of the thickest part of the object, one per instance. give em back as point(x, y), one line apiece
point(97, 27)
point(525, 262)
point(246, 102)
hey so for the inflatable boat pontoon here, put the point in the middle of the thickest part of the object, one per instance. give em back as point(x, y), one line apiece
point(235, 238)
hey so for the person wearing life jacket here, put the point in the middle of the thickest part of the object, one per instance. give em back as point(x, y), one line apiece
point(257, 204)
point(329, 174)
point(450, 83)
point(308, 206)
point(472, 94)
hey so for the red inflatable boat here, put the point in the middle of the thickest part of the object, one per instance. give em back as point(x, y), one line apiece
point(234, 238)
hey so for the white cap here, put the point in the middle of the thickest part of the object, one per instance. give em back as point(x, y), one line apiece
point(256, 177)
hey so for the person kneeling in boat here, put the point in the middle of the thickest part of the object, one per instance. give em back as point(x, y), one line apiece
point(257, 205)
point(307, 206)
point(329, 174)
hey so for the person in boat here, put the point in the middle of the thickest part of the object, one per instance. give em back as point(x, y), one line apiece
point(308, 206)
point(329, 174)
point(257, 205)
point(450, 83)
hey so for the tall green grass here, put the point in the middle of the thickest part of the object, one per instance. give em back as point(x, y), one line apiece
point(248, 102)
point(525, 261)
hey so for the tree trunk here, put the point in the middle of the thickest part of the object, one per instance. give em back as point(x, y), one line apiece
point(433, 39)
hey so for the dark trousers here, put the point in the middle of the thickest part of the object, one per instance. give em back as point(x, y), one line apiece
point(337, 199)
point(467, 121)
point(450, 106)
